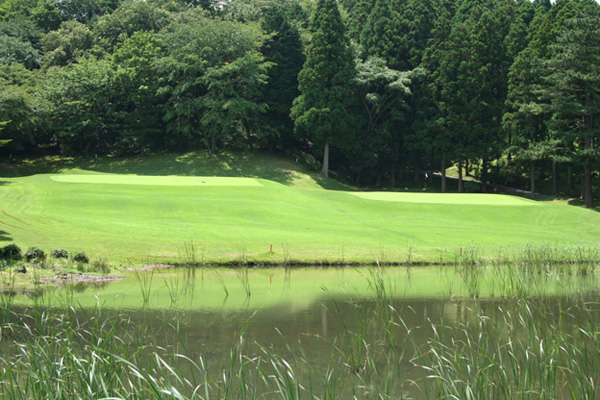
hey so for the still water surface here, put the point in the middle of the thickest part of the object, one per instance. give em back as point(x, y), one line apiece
point(327, 312)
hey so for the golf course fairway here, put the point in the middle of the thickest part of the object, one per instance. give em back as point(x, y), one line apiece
point(195, 208)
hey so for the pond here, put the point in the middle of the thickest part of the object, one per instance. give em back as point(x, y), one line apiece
point(402, 332)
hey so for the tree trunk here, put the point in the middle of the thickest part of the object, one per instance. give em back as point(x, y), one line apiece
point(212, 144)
point(417, 167)
point(393, 173)
point(554, 178)
point(570, 180)
point(401, 169)
point(498, 169)
point(587, 182)
point(467, 168)
point(587, 168)
point(325, 169)
point(431, 161)
point(484, 175)
point(443, 171)
point(532, 177)
point(86, 149)
point(460, 177)
point(509, 155)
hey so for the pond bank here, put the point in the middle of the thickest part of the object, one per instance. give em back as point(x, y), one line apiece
point(544, 258)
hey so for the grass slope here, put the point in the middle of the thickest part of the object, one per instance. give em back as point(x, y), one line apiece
point(234, 206)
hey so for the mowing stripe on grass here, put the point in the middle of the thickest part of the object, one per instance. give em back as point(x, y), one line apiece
point(448, 198)
point(113, 179)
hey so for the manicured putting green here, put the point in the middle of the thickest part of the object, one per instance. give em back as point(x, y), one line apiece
point(448, 198)
point(113, 179)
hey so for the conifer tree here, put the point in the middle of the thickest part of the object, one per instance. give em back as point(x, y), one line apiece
point(417, 22)
point(284, 49)
point(464, 8)
point(489, 84)
point(429, 120)
point(380, 36)
point(573, 89)
point(526, 118)
point(357, 18)
point(321, 112)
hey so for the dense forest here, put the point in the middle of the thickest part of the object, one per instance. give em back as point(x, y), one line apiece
point(380, 90)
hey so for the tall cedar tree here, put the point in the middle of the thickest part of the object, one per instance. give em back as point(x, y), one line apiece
point(524, 119)
point(418, 21)
point(464, 8)
point(527, 113)
point(284, 49)
point(453, 86)
point(429, 118)
point(357, 18)
point(380, 36)
point(573, 87)
point(489, 84)
point(321, 112)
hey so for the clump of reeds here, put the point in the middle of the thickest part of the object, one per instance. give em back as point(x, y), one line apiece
point(470, 270)
point(531, 351)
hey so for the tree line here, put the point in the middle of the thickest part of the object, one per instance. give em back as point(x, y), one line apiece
point(380, 90)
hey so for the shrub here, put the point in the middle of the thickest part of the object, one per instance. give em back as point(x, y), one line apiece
point(59, 253)
point(100, 265)
point(81, 258)
point(35, 254)
point(11, 252)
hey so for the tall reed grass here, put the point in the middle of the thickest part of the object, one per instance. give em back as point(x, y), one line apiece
point(525, 342)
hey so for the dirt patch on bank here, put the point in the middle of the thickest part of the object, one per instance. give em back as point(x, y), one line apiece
point(150, 267)
point(63, 277)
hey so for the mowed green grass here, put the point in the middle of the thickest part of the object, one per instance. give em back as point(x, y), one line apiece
point(448, 198)
point(235, 206)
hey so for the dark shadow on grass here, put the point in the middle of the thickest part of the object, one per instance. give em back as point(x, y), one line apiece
point(252, 165)
point(568, 200)
point(332, 184)
point(4, 237)
point(199, 164)
point(581, 203)
point(547, 198)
